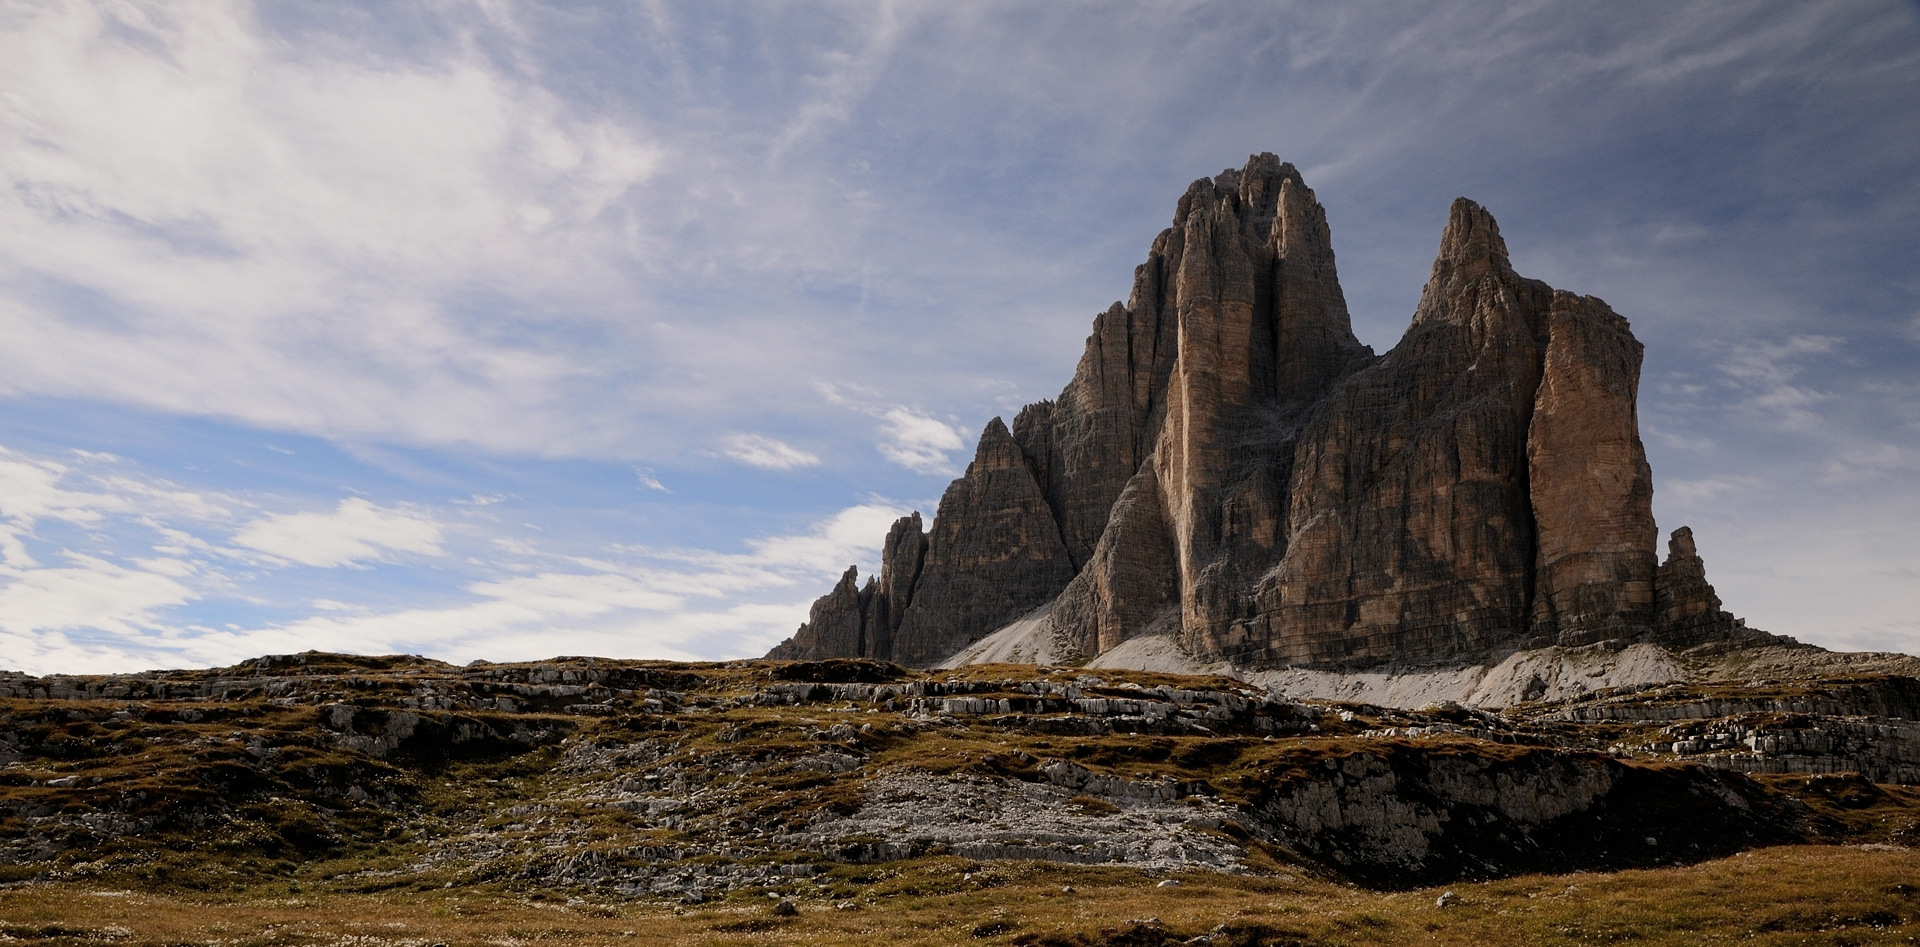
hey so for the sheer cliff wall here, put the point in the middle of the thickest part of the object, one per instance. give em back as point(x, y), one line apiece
point(1231, 467)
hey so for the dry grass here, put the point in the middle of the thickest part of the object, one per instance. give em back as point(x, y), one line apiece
point(1788, 895)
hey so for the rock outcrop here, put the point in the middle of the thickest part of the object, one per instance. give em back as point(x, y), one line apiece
point(995, 553)
point(836, 625)
point(1230, 467)
point(1688, 610)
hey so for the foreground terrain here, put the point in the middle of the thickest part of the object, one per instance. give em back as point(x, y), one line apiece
point(321, 798)
point(1792, 895)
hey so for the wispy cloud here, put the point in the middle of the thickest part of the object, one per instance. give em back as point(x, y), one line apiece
point(354, 531)
point(92, 594)
point(907, 437)
point(918, 442)
point(1692, 493)
point(677, 603)
point(272, 220)
point(1768, 374)
point(1871, 462)
point(501, 590)
point(767, 453)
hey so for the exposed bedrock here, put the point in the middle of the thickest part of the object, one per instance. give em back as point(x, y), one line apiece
point(1399, 817)
point(1231, 467)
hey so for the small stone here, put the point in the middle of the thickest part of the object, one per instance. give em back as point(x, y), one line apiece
point(1066, 889)
point(785, 909)
point(847, 906)
point(1169, 883)
point(1443, 900)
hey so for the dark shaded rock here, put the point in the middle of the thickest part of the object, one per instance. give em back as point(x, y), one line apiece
point(994, 554)
point(1411, 527)
point(1689, 611)
point(1130, 585)
point(837, 671)
point(900, 561)
point(1414, 530)
point(835, 626)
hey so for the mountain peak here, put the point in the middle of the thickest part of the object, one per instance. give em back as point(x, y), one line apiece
point(1230, 467)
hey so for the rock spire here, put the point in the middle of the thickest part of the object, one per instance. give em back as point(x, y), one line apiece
point(1231, 467)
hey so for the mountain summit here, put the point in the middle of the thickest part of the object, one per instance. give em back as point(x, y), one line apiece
point(1231, 469)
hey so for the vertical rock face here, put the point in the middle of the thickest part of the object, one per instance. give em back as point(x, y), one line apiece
point(1131, 583)
point(900, 560)
point(1412, 531)
point(1262, 333)
point(835, 626)
point(1592, 491)
point(1688, 611)
point(994, 554)
point(1229, 465)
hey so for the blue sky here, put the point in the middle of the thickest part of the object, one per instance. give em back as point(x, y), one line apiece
point(504, 330)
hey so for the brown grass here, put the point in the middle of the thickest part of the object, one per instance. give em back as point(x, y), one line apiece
point(1788, 895)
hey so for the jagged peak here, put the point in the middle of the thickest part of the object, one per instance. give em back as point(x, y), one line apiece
point(998, 450)
point(1680, 545)
point(1256, 188)
point(1472, 236)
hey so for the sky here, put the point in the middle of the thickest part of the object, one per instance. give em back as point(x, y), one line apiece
point(489, 329)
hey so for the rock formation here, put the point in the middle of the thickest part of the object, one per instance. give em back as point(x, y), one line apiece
point(1688, 610)
point(1231, 467)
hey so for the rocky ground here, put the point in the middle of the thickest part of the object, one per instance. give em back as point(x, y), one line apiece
point(686, 783)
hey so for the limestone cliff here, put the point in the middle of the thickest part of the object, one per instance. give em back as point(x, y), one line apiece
point(1230, 466)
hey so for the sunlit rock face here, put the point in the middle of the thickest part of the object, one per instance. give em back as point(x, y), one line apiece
point(1230, 467)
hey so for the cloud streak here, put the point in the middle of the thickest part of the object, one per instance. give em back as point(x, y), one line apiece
point(767, 453)
point(499, 589)
point(354, 531)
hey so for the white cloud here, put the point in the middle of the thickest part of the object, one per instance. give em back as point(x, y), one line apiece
point(767, 453)
point(672, 604)
point(503, 595)
point(91, 594)
point(355, 530)
point(852, 535)
point(33, 489)
point(918, 442)
point(909, 437)
point(263, 220)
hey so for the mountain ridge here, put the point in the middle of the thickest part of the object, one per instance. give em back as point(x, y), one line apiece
point(1231, 468)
